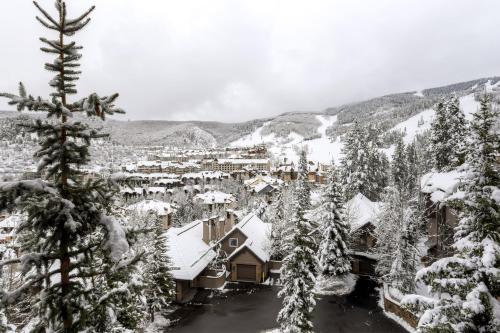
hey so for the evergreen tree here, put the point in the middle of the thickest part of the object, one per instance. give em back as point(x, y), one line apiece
point(303, 186)
point(354, 165)
point(333, 253)
point(467, 284)
point(67, 215)
point(448, 131)
point(414, 171)
point(439, 147)
point(400, 174)
point(160, 290)
point(278, 218)
point(297, 275)
point(457, 131)
point(397, 237)
point(364, 166)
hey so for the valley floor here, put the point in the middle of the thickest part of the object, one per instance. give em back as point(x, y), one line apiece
point(254, 310)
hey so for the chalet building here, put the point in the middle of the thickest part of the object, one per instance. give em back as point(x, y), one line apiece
point(241, 242)
point(246, 246)
point(263, 186)
point(287, 173)
point(362, 218)
point(191, 257)
point(216, 201)
point(163, 209)
point(439, 189)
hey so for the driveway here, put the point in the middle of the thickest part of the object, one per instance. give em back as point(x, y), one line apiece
point(255, 310)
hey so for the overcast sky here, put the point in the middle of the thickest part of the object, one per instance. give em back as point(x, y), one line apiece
point(238, 60)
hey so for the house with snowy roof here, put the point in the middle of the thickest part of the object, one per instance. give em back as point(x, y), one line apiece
point(440, 189)
point(247, 246)
point(164, 210)
point(362, 216)
point(190, 256)
point(241, 243)
point(263, 186)
point(216, 200)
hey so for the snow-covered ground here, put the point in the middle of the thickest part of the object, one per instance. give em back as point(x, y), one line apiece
point(335, 285)
point(320, 149)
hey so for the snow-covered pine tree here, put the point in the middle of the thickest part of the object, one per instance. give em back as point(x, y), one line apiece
point(67, 215)
point(397, 237)
point(448, 131)
point(439, 140)
point(466, 285)
point(399, 168)
point(278, 216)
point(457, 131)
point(414, 171)
point(364, 166)
point(354, 165)
point(160, 288)
point(297, 275)
point(303, 186)
point(333, 252)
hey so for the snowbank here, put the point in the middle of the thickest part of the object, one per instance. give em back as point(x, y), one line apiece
point(335, 285)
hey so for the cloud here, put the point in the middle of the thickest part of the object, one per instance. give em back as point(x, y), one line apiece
point(238, 60)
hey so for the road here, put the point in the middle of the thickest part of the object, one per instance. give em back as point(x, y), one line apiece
point(255, 310)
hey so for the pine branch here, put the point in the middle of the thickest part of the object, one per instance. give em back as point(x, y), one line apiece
point(47, 16)
point(81, 17)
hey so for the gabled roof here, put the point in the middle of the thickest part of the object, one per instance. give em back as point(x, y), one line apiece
point(160, 207)
point(257, 233)
point(361, 211)
point(190, 255)
point(218, 197)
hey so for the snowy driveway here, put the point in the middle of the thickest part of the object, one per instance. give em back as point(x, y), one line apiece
point(255, 310)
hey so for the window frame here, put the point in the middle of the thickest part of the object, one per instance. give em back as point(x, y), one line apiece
point(231, 242)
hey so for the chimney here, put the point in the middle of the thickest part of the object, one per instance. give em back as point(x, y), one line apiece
point(213, 229)
point(231, 220)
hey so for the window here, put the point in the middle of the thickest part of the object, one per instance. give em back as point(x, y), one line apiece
point(233, 242)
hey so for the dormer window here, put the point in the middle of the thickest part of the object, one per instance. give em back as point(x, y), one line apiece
point(233, 242)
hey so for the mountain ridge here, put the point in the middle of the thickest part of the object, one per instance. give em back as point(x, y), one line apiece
point(387, 111)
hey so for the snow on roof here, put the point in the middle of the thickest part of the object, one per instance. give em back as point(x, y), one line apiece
point(259, 187)
point(137, 190)
point(243, 161)
point(259, 179)
point(361, 211)
point(155, 189)
point(167, 181)
point(190, 255)
point(217, 197)
point(157, 206)
point(257, 233)
point(205, 174)
point(11, 221)
point(440, 185)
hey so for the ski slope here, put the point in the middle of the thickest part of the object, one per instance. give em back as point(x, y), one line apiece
point(320, 150)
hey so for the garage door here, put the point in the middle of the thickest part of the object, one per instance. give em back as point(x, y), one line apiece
point(246, 272)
